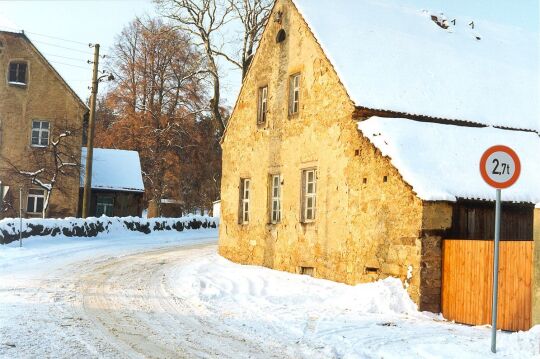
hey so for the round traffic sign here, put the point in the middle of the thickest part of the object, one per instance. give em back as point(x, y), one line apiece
point(500, 166)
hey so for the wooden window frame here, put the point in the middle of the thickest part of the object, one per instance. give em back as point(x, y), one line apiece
point(294, 94)
point(275, 198)
point(35, 197)
point(18, 63)
point(262, 105)
point(244, 203)
point(306, 195)
point(40, 133)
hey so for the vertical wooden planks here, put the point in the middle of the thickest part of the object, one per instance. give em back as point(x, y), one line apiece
point(467, 282)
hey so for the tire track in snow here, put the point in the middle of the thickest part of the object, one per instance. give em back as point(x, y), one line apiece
point(128, 300)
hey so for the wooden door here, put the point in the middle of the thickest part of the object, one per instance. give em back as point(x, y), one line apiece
point(467, 282)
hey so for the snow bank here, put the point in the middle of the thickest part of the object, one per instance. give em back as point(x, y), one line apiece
point(92, 227)
point(441, 162)
point(318, 318)
point(217, 281)
point(394, 57)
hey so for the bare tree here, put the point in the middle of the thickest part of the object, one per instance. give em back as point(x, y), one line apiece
point(206, 21)
point(49, 166)
point(253, 14)
point(159, 93)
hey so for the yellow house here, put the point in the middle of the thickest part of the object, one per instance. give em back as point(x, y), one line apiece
point(36, 105)
point(352, 151)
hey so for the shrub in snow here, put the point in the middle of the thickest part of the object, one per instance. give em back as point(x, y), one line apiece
point(92, 227)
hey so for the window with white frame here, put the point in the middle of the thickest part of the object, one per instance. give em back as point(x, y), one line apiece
point(275, 198)
point(262, 106)
point(35, 201)
point(294, 94)
point(309, 194)
point(104, 206)
point(17, 73)
point(40, 133)
point(244, 200)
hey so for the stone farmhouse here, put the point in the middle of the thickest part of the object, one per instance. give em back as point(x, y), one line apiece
point(352, 152)
point(36, 105)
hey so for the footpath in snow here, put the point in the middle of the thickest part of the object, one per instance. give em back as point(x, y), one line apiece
point(170, 294)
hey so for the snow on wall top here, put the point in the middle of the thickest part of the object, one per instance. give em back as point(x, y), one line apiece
point(441, 162)
point(393, 57)
point(114, 169)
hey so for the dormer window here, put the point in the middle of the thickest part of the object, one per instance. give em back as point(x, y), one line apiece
point(17, 73)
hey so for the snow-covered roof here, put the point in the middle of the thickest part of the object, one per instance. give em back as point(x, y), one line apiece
point(441, 162)
point(393, 57)
point(112, 169)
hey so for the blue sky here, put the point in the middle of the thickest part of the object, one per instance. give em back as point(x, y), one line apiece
point(81, 21)
point(101, 21)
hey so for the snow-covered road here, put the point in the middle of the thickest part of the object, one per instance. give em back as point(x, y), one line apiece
point(170, 296)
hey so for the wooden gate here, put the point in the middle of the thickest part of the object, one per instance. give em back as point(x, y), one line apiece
point(467, 280)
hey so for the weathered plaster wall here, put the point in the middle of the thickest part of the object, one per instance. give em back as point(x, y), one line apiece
point(43, 98)
point(536, 269)
point(369, 221)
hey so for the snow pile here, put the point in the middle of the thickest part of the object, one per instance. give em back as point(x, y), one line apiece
point(93, 227)
point(114, 169)
point(441, 162)
point(317, 318)
point(219, 280)
point(393, 57)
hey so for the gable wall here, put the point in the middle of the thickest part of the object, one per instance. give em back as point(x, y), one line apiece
point(45, 98)
point(376, 224)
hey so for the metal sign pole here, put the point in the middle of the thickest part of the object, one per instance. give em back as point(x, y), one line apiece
point(20, 217)
point(495, 272)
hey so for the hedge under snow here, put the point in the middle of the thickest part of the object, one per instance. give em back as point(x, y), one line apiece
point(92, 226)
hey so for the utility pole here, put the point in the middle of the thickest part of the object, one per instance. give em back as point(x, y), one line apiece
point(90, 137)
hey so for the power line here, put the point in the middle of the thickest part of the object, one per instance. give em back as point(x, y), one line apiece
point(49, 36)
point(63, 47)
point(57, 38)
point(66, 57)
point(63, 63)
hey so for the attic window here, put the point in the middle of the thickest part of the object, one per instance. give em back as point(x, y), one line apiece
point(17, 73)
point(281, 35)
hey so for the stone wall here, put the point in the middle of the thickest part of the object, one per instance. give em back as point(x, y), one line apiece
point(45, 97)
point(436, 219)
point(536, 269)
point(369, 221)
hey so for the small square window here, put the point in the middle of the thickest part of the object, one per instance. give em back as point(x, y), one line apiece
point(17, 73)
